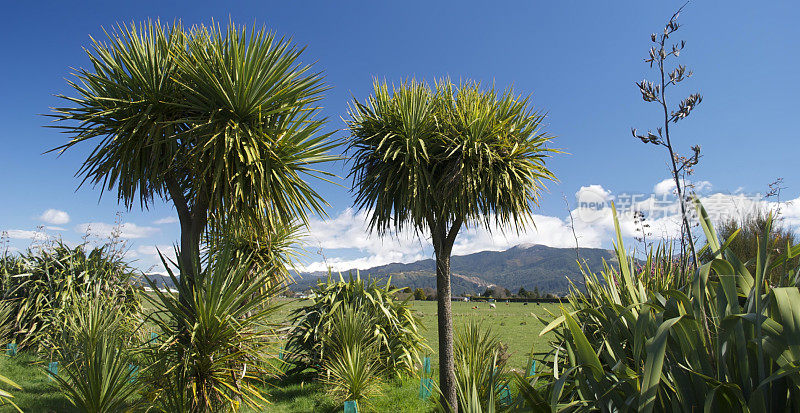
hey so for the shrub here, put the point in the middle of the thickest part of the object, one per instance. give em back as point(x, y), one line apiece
point(750, 229)
point(396, 330)
point(95, 349)
point(216, 346)
point(480, 364)
point(40, 282)
point(726, 341)
point(351, 362)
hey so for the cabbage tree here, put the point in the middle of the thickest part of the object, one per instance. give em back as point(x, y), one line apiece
point(221, 122)
point(434, 159)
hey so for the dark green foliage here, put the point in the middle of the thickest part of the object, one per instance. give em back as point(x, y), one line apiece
point(419, 294)
point(645, 339)
point(396, 328)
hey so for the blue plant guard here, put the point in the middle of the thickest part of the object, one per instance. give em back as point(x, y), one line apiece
point(351, 406)
point(280, 354)
point(134, 372)
point(52, 369)
point(153, 337)
point(504, 394)
point(532, 371)
point(425, 388)
point(426, 366)
point(11, 349)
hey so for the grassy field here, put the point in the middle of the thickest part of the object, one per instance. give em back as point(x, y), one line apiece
point(513, 323)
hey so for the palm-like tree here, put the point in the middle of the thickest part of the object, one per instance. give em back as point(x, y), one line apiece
point(435, 159)
point(222, 122)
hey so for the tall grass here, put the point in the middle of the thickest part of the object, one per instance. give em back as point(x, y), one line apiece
point(40, 282)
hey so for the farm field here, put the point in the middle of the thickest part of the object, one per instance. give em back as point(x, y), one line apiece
point(513, 323)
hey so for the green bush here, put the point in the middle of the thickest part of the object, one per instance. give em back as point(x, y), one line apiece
point(480, 364)
point(215, 348)
point(40, 282)
point(642, 340)
point(396, 329)
point(351, 362)
point(749, 230)
point(94, 347)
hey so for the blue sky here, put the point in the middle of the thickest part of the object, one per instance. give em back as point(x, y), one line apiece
point(579, 60)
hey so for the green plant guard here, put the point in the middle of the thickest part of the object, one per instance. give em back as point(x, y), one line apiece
point(52, 369)
point(351, 406)
point(425, 388)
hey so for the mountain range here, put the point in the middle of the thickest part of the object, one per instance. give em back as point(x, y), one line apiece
point(527, 265)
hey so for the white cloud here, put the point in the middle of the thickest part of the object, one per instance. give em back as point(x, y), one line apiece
point(55, 217)
point(345, 242)
point(166, 220)
point(55, 228)
point(349, 231)
point(154, 249)
point(25, 234)
point(126, 230)
point(667, 186)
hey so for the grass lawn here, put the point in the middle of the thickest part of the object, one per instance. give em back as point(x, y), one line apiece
point(38, 392)
point(513, 323)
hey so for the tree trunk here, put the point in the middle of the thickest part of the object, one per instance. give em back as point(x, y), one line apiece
point(443, 246)
point(189, 253)
point(447, 375)
point(193, 222)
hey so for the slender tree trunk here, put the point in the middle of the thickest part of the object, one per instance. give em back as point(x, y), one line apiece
point(443, 246)
point(193, 222)
point(447, 375)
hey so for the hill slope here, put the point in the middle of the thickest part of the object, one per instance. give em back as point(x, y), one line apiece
point(527, 266)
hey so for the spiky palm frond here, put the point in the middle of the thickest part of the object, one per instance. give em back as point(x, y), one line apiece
point(352, 364)
point(224, 123)
point(251, 110)
point(449, 153)
point(127, 101)
point(271, 251)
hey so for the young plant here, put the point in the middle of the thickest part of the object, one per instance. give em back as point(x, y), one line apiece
point(95, 351)
point(480, 369)
point(351, 366)
point(215, 341)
